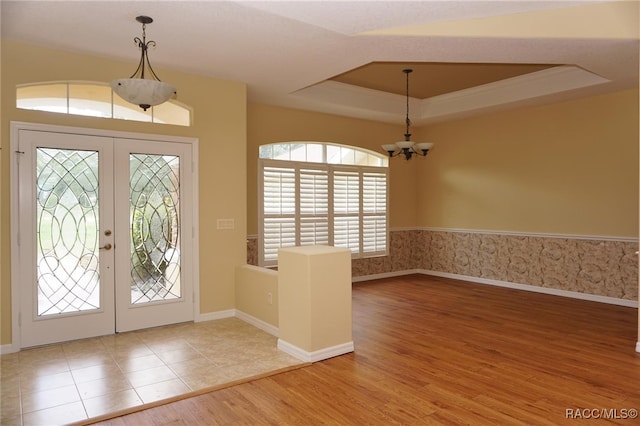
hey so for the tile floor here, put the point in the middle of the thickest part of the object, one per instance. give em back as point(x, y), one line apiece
point(74, 381)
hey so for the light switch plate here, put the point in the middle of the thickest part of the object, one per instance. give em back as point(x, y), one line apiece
point(226, 224)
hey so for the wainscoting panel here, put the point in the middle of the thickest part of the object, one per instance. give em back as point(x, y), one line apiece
point(592, 265)
point(604, 267)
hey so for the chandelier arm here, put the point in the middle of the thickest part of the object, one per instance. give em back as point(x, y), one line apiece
point(139, 43)
point(153, 73)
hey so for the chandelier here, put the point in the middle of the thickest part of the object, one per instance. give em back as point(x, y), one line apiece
point(138, 90)
point(406, 147)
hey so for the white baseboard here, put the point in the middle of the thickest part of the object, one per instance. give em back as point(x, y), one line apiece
point(385, 275)
point(315, 356)
point(536, 289)
point(210, 316)
point(258, 323)
point(8, 349)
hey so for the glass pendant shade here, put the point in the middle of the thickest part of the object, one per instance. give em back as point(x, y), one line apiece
point(143, 92)
point(424, 146)
point(404, 144)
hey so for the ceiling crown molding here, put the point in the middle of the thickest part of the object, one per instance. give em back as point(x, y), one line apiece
point(516, 89)
point(335, 97)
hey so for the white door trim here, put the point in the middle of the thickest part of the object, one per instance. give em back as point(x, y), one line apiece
point(14, 184)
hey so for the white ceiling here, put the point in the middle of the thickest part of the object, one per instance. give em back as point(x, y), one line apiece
point(287, 51)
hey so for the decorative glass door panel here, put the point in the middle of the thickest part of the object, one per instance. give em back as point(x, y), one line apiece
point(156, 245)
point(105, 243)
point(66, 220)
point(155, 227)
point(67, 228)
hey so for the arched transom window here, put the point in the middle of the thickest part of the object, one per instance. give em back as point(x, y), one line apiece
point(96, 99)
point(318, 152)
point(313, 193)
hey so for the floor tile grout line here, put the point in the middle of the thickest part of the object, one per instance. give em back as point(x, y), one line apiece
point(22, 391)
point(34, 412)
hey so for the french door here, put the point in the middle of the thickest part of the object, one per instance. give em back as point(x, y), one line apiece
point(105, 235)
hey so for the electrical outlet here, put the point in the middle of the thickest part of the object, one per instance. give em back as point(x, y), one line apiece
point(269, 298)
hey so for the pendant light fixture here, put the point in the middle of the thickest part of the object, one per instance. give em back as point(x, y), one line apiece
point(138, 90)
point(406, 147)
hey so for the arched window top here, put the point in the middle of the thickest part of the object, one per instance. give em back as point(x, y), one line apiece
point(323, 152)
point(96, 99)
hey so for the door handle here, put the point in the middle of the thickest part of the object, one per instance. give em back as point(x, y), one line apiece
point(106, 247)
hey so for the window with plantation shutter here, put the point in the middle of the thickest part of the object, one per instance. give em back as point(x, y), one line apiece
point(337, 197)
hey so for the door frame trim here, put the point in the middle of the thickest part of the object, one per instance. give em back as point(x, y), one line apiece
point(14, 186)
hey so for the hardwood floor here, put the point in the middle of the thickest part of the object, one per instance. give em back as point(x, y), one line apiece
point(444, 352)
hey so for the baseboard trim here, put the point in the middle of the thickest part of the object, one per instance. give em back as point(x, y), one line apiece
point(210, 316)
point(384, 275)
point(258, 323)
point(8, 349)
point(315, 356)
point(536, 289)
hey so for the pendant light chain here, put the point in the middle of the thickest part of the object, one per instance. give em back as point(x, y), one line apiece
point(143, 46)
point(407, 135)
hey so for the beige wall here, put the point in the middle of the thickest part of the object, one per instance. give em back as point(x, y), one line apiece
point(219, 123)
point(257, 293)
point(566, 168)
point(270, 124)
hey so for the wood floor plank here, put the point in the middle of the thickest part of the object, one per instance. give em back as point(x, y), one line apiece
point(436, 351)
